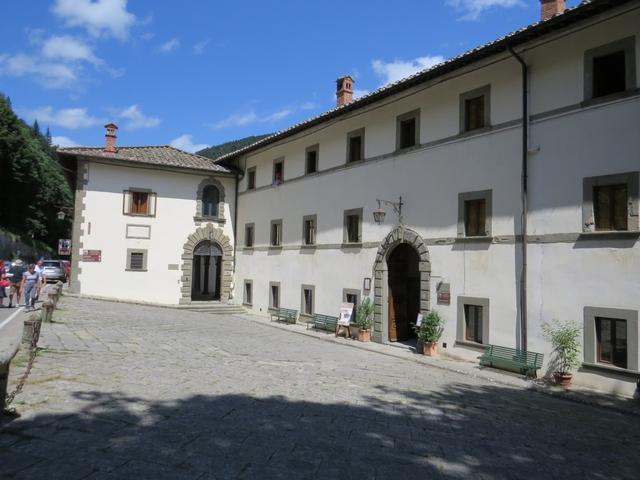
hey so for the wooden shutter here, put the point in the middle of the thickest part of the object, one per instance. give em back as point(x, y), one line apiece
point(152, 199)
point(126, 202)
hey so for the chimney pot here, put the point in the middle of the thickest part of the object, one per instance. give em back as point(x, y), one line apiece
point(551, 8)
point(344, 90)
point(110, 138)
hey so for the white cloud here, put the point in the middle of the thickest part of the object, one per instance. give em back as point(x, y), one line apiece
point(251, 117)
point(61, 141)
point(472, 9)
point(169, 46)
point(136, 118)
point(71, 118)
point(398, 69)
point(68, 48)
point(99, 17)
point(48, 74)
point(198, 48)
point(185, 142)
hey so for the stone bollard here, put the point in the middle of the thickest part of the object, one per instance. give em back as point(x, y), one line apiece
point(31, 330)
point(47, 310)
point(53, 298)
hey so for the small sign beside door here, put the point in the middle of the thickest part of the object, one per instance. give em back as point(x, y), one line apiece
point(444, 294)
point(92, 255)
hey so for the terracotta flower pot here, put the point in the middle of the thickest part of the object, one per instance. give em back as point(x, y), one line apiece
point(430, 349)
point(563, 379)
point(364, 335)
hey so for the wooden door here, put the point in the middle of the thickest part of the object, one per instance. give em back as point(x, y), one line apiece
point(404, 292)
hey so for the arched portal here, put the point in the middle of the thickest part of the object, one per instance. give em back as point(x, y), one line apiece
point(207, 271)
point(403, 281)
point(394, 273)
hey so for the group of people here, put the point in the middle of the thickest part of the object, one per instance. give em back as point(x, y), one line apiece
point(21, 282)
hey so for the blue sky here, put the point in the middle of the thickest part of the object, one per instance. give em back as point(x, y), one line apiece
point(195, 73)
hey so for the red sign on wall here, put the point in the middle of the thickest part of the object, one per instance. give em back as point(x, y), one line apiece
point(92, 255)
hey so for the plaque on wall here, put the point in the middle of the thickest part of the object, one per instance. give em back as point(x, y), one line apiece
point(444, 294)
point(92, 255)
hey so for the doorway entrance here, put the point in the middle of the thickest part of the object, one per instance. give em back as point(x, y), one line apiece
point(207, 269)
point(404, 291)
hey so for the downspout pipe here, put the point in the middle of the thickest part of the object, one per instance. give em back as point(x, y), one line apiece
point(524, 195)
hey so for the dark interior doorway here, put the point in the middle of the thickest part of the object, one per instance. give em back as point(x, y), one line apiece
point(404, 292)
point(206, 272)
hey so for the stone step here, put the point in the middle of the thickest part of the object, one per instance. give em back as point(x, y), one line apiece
point(214, 308)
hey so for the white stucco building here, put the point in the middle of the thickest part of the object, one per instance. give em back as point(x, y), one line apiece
point(506, 224)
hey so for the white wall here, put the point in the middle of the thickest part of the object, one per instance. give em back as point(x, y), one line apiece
point(173, 223)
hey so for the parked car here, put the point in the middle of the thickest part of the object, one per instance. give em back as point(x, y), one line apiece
point(54, 270)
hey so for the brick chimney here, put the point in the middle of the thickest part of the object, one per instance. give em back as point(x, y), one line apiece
point(110, 138)
point(551, 8)
point(344, 90)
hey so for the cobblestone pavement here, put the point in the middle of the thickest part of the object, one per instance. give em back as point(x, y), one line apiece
point(124, 391)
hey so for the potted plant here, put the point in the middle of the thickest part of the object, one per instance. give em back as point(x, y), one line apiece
point(364, 320)
point(564, 338)
point(429, 332)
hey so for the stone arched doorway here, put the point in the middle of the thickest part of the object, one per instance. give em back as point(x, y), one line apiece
point(206, 269)
point(208, 242)
point(400, 250)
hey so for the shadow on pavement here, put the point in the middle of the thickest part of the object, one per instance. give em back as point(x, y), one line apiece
point(459, 432)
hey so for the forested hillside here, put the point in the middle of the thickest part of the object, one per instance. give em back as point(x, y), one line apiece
point(228, 147)
point(32, 182)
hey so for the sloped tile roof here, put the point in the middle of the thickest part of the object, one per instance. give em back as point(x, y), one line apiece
point(161, 155)
point(586, 9)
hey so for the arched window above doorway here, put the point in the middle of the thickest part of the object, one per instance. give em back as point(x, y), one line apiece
point(209, 249)
point(210, 201)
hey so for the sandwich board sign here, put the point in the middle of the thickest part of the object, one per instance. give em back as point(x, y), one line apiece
point(346, 311)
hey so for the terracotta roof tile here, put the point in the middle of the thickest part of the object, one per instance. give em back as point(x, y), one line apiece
point(163, 155)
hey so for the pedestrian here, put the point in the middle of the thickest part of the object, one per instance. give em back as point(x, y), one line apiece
point(31, 287)
point(4, 283)
point(16, 272)
point(40, 271)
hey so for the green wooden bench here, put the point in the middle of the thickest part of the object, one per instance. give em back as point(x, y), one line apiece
point(284, 315)
point(525, 361)
point(323, 322)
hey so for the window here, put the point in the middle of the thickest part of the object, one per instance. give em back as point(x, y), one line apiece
point(611, 338)
point(474, 214)
point(610, 69)
point(251, 178)
point(474, 217)
point(610, 207)
point(473, 320)
point(309, 230)
point(473, 323)
point(274, 295)
point(278, 172)
point(248, 292)
point(611, 335)
point(136, 260)
point(407, 135)
point(355, 146)
point(139, 203)
point(353, 226)
point(311, 162)
point(249, 229)
point(210, 201)
point(307, 305)
point(276, 233)
point(610, 203)
point(474, 109)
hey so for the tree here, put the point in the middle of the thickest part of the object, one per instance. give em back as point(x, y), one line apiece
point(36, 127)
point(47, 136)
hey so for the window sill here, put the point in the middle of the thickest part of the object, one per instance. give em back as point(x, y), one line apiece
point(247, 249)
point(352, 245)
point(401, 150)
point(245, 304)
point(138, 215)
point(309, 247)
point(210, 219)
point(475, 239)
point(612, 97)
point(355, 162)
point(599, 367)
point(609, 234)
point(135, 270)
point(275, 247)
point(467, 344)
point(308, 316)
point(476, 131)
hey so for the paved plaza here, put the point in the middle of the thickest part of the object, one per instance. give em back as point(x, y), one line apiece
point(123, 392)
